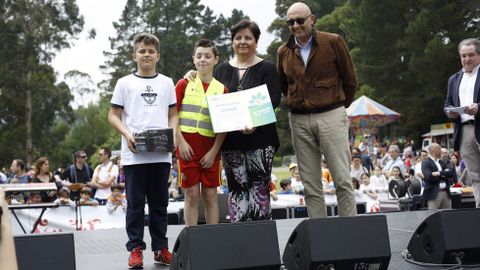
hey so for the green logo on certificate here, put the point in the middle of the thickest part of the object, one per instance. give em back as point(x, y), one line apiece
point(261, 110)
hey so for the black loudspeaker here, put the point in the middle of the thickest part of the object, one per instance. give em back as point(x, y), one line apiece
point(246, 245)
point(45, 251)
point(447, 235)
point(359, 242)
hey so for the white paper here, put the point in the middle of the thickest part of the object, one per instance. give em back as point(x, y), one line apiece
point(238, 110)
point(459, 110)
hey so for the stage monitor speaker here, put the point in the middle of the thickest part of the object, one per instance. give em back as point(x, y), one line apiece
point(246, 245)
point(359, 242)
point(45, 251)
point(446, 235)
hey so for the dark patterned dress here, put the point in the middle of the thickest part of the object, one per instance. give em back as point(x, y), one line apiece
point(248, 159)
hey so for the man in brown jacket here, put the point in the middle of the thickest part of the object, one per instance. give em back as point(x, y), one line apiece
point(318, 79)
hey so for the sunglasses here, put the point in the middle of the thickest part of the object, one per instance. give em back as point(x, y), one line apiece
point(299, 21)
point(83, 156)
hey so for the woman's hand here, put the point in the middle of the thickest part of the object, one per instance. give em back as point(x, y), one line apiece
point(190, 75)
point(247, 130)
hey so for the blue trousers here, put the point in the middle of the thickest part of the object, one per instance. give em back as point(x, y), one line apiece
point(150, 181)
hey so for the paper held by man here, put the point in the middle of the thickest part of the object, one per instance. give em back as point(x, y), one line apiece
point(459, 110)
point(243, 109)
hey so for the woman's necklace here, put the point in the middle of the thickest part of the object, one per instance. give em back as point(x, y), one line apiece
point(241, 77)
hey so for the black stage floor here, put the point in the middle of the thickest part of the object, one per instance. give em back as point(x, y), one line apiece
point(105, 249)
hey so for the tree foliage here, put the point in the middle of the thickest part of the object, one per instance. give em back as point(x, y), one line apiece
point(404, 51)
point(30, 33)
point(178, 24)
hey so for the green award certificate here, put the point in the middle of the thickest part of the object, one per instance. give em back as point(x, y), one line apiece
point(243, 109)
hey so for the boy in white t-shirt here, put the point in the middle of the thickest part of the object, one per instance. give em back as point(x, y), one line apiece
point(144, 101)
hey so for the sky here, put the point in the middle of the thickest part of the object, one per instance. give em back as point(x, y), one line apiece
point(86, 55)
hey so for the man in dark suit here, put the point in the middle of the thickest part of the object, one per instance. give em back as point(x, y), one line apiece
point(437, 180)
point(463, 91)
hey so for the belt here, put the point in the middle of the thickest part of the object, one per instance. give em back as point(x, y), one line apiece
point(469, 122)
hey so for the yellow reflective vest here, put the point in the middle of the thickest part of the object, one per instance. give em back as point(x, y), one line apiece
point(194, 115)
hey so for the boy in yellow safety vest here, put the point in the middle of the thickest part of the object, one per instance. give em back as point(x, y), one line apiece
point(198, 145)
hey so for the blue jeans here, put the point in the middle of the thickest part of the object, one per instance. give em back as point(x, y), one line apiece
point(150, 180)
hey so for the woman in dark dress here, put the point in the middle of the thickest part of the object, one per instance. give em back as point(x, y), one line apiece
point(247, 155)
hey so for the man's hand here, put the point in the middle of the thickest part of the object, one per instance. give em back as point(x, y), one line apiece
point(453, 115)
point(472, 109)
point(436, 173)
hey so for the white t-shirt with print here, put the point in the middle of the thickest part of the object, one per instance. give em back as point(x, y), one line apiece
point(145, 102)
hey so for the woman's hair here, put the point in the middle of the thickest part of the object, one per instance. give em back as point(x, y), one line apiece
point(244, 24)
point(400, 170)
point(39, 163)
point(355, 183)
point(367, 174)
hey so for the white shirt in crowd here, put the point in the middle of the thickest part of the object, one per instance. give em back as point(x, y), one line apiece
point(378, 182)
point(104, 172)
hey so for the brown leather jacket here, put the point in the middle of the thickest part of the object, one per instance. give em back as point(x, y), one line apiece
point(328, 81)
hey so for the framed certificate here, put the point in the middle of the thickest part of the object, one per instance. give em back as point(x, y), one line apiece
point(238, 110)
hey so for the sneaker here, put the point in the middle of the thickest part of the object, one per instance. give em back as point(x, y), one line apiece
point(135, 261)
point(163, 256)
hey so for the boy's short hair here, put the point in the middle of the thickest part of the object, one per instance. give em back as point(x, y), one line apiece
point(284, 183)
point(116, 186)
point(64, 190)
point(86, 190)
point(205, 43)
point(147, 39)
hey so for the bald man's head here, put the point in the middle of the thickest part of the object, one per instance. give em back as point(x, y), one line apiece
point(434, 150)
point(300, 21)
point(299, 7)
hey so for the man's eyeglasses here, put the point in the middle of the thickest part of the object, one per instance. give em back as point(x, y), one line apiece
point(82, 156)
point(299, 21)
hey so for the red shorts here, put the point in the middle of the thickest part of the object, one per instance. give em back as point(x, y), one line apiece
point(189, 176)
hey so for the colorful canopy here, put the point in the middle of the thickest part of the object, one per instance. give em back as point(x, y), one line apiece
point(365, 113)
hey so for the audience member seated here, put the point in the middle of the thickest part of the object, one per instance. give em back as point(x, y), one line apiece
point(395, 160)
point(34, 197)
point(223, 188)
point(64, 197)
point(116, 199)
point(10, 200)
point(86, 197)
point(365, 186)
point(378, 181)
point(356, 168)
point(326, 172)
point(395, 173)
point(273, 188)
point(296, 181)
point(286, 187)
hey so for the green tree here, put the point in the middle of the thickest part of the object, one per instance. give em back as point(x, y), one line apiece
point(34, 31)
point(178, 24)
